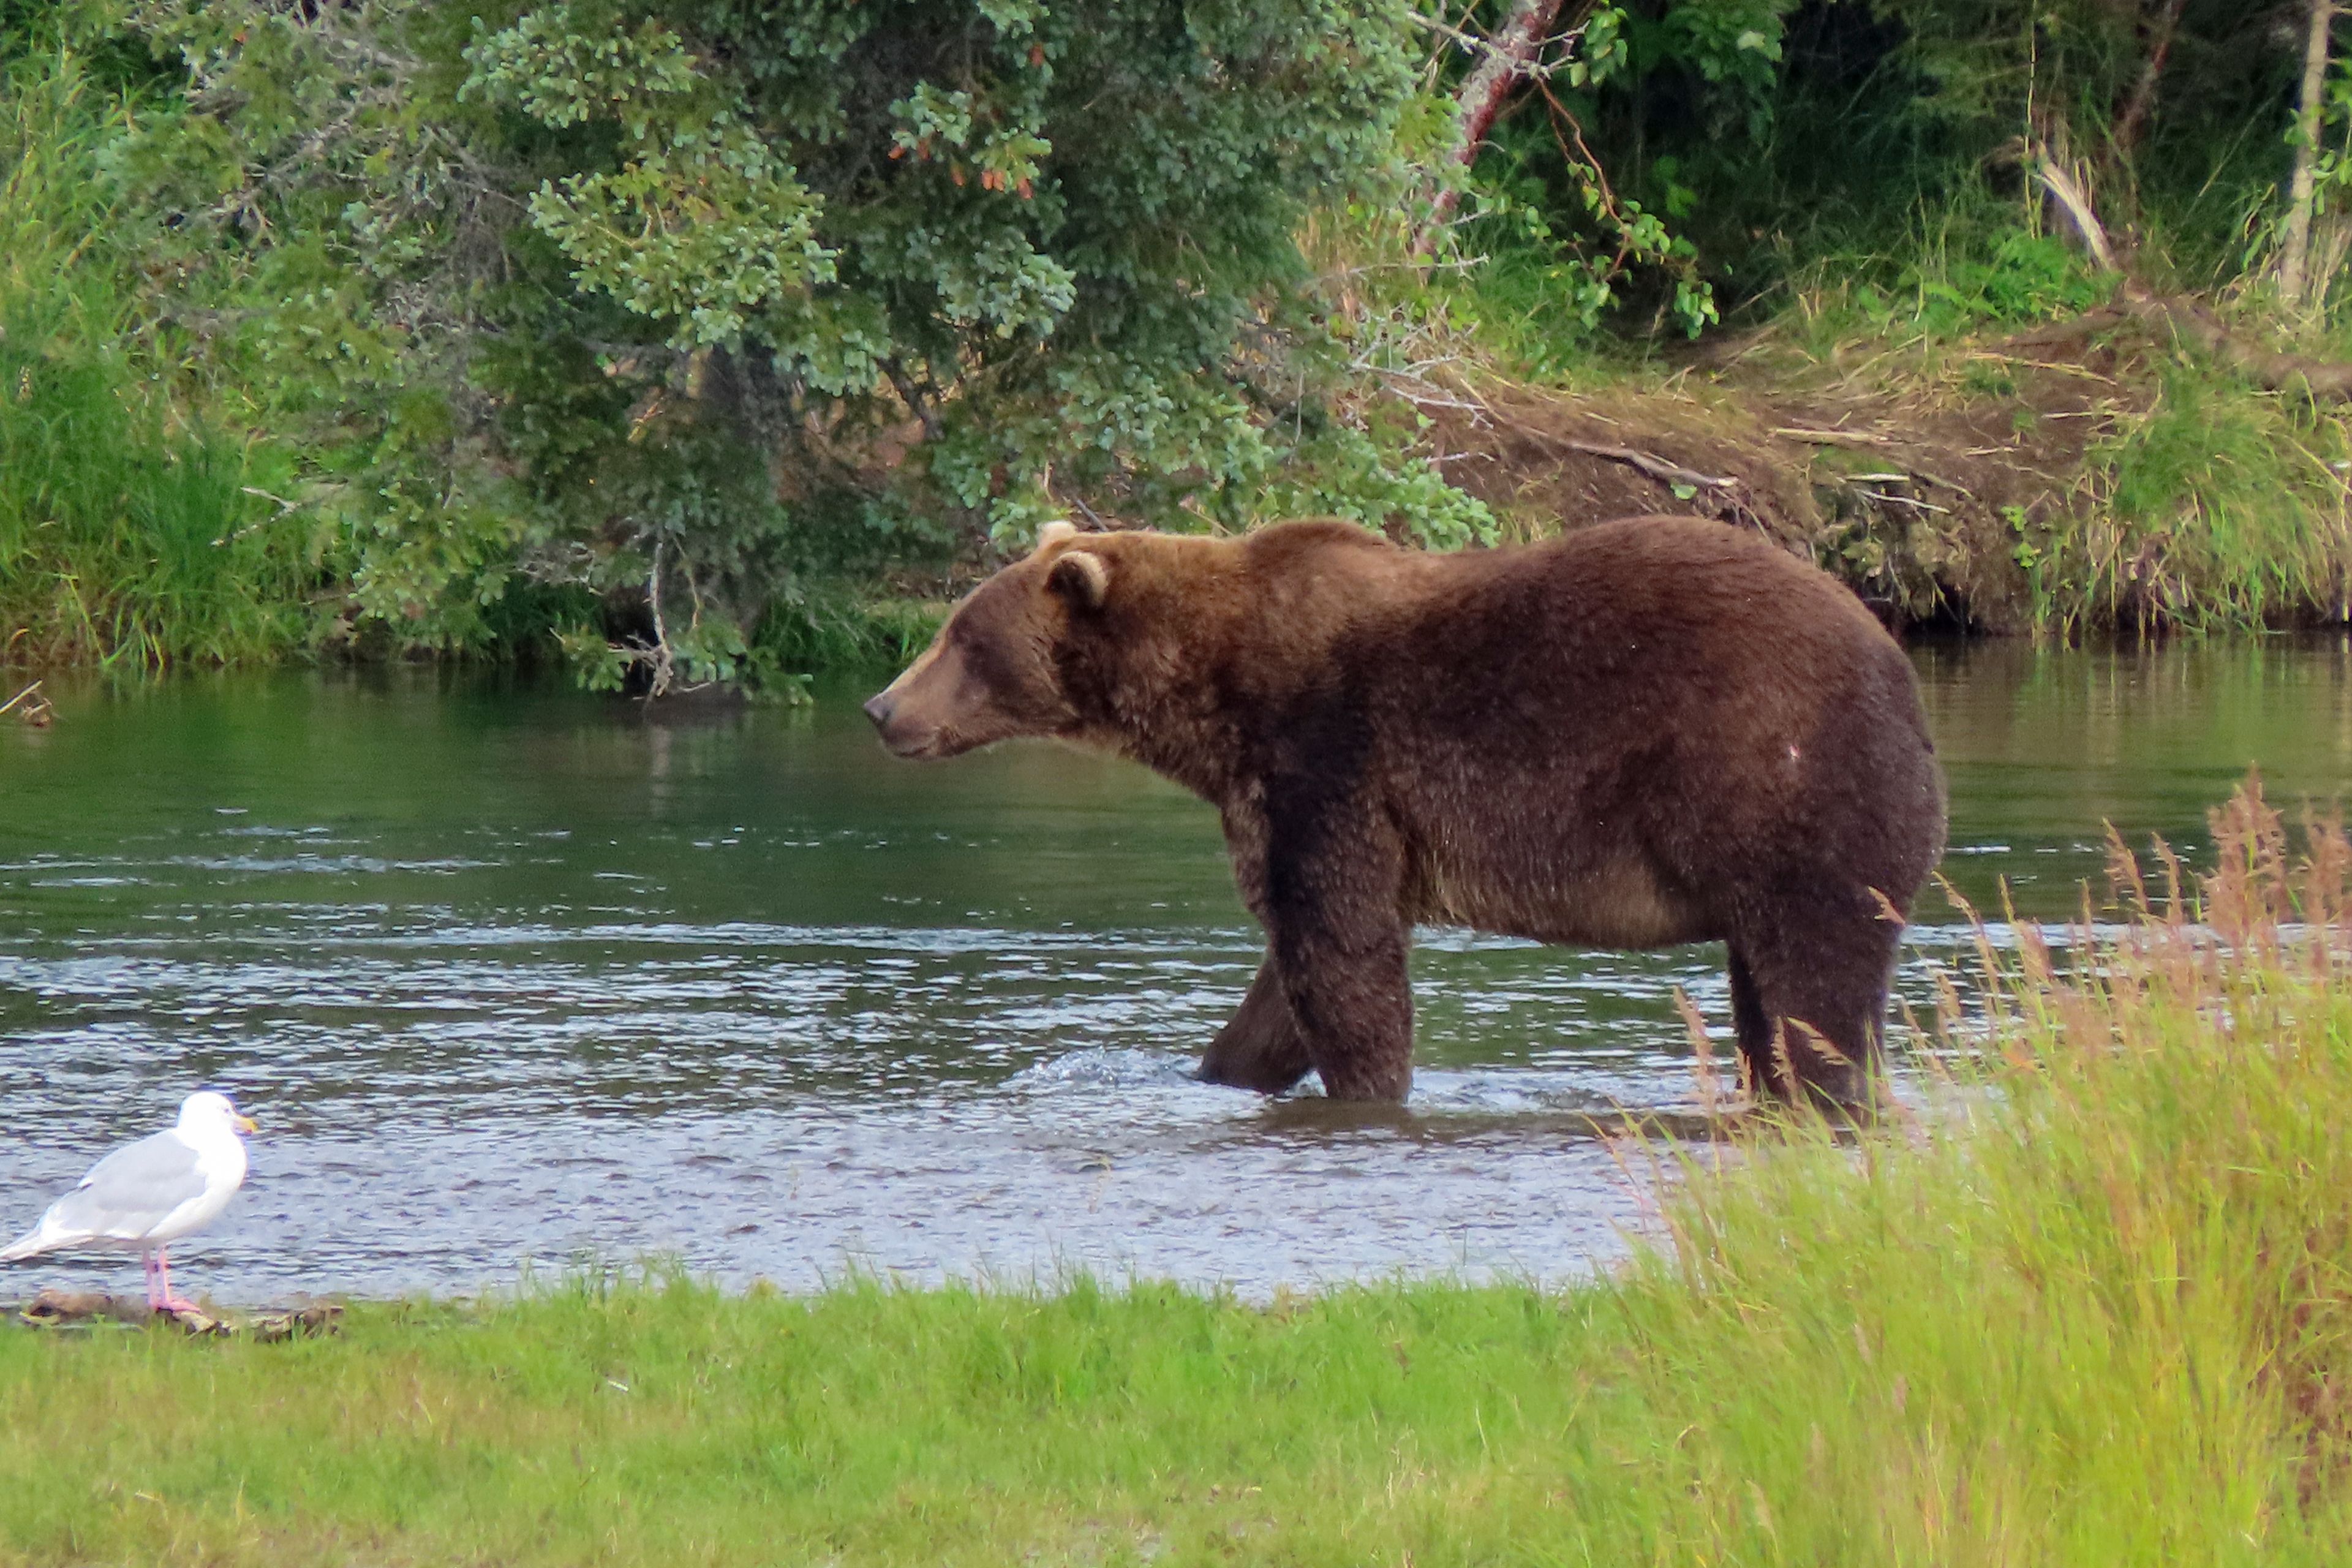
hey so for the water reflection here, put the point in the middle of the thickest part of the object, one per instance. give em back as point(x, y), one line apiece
point(511, 973)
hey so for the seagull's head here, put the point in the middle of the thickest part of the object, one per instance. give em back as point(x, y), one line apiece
point(207, 1111)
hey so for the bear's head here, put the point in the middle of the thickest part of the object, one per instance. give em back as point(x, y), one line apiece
point(996, 671)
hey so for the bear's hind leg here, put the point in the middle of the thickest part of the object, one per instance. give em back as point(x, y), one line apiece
point(1260, 1047)
point(1824, 992)
point(1753, 1026)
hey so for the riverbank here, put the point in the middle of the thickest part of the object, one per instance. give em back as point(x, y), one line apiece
point(2086, 475)
point(2094, 1310)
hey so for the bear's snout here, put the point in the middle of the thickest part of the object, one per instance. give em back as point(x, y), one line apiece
point(883, 708)
point(903, 728)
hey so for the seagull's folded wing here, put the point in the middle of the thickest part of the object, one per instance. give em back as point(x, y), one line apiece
point(131, 1192)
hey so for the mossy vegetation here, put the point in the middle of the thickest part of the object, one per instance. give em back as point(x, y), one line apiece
point(2090, 1303)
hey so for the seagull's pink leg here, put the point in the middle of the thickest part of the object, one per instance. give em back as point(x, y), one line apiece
point(169, 1302)
point(154, 1291)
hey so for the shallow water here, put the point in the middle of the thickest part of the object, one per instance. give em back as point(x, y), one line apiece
point(510, 974)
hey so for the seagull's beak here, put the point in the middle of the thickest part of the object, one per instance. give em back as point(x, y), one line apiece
point(247, 1124)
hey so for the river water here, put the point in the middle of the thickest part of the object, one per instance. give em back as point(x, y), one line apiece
point(519, 978)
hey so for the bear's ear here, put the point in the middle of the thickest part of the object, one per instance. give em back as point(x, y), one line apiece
point(1081, 577)
point(1056, 532)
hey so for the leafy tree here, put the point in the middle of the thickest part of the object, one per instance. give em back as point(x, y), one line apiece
point(1580, 226)
point(659, 308)
point(1757, 138)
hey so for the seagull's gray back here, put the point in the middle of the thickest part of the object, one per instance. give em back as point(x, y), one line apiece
point(129, 1191)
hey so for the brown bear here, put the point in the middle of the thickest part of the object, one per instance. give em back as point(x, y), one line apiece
point(1654, 731)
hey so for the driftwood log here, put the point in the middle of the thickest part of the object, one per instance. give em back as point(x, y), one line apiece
point(94, 1309)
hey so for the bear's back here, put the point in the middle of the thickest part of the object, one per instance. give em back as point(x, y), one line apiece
point(1639, 604)
point(1657, 672)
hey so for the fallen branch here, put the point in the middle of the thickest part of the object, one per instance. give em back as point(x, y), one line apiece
point(1734, 503)
point(30, 706)
point(1890, 499)
point(2193, 324)
point(2055, 332)
point(56, 1309)
point(1831, 437)
point(1650, 463)
point(2071, 195)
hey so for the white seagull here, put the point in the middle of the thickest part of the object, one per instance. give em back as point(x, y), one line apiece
point(143, 1197)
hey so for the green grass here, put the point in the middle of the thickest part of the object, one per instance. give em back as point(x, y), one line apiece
point(131, 534)
point(842, 625)
point(2220, 505)
point(2097, 1310)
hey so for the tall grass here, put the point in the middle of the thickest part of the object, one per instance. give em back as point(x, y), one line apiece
point(2220, 505)
point(131, 533)
point(2100, 1308)
point(836, 624)
point(2094, 1307)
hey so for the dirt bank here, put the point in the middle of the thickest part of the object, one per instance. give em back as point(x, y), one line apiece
point(1935, 480)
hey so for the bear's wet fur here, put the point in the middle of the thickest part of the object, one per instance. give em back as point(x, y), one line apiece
point(1648, 731)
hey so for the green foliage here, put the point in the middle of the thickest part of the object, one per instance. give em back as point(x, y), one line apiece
point(1994, 67)
point(1839, 123)
point(626, 331)
point(2024, 278)
point(2036, 557)
point(1550, 276)
point(675, 302)
point(128, 533)
point(703, 227)
point(317, 242)
point(1567, 231)
point(1038, 231)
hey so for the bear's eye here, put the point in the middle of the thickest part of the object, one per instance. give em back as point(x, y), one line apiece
point(982, 660)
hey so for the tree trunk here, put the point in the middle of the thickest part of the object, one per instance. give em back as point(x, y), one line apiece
point(2295, 256)
point(1508, 54)
point(2133, 120)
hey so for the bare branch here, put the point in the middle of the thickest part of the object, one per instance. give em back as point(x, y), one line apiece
point(1650, 463)
point(1509, 58)
point(2133, 120)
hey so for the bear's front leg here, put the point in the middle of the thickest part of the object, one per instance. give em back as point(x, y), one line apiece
point(1260, 1047)
point(1341, 944)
